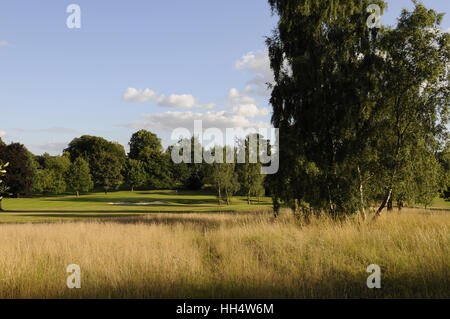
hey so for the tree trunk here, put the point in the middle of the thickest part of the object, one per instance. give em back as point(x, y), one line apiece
point(276, 207)
point(132, 189)
point(399, 205)
point(248, 197)
point(361, 194)
point(383, 204)
point(390, 204)
point(78, 194)
point(1, 209)
point(220, 196)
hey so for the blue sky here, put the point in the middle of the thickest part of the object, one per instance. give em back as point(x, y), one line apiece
point(135, 64)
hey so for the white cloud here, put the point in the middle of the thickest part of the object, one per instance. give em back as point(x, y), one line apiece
point(135, 95)
point(250, 110)
point(2, 133)
point(244, 105)
point(257, 64)
point(4, 43)
point(237, 98)
point(169, 121)
point(242, 109)
point(173, 101)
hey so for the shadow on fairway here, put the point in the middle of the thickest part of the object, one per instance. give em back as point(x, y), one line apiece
point(102, 213)
point(164, 201)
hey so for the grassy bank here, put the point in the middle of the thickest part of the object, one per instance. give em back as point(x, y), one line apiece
point(228, 255)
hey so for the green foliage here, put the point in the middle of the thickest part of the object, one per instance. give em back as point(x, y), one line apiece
point(250, 179)
point(223, 176)
point(354, 105)
point(20, 175)
point(3, 187)
point(50, 174)
point(78, 176)
point(189, 175)
point(93, 150)
point(135, 174)
point(108, 169)
point(323, 60)
point(146, 147)
point(414, 103)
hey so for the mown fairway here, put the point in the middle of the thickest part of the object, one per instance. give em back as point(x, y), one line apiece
point(128, 204)
point(99, 205)
point(217, 255)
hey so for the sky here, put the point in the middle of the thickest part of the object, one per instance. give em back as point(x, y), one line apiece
point(156, 65)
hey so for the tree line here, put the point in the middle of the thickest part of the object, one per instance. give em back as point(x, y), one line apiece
point(94, 163)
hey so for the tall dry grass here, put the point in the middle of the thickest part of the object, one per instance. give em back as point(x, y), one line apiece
point(228, 256)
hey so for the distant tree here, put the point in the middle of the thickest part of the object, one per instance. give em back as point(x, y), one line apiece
point(108, 168)
point(223, 176)
point(19, 177)
point(249, 173)
point(92, 149)
point(42, 181)
point(3, 187)
point(50, 174)
point(189, 175)
point(135, 174)
point(146, 147)
point(180, 172)
point(78, 177)
point(143, 144)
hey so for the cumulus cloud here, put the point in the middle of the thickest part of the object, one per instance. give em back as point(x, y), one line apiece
point(172, 101)
point(3, 43)
point(171, 120)
point(258, 64)
point(241, 111)
point(135, 95)
point(244, 105)
point(2, 133)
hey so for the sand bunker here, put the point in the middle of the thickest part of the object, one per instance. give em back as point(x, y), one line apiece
point(139, 204)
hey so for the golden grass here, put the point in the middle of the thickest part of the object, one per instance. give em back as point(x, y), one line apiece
point(228, 256)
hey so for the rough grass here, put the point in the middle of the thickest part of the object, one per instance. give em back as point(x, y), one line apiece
point(228, 255)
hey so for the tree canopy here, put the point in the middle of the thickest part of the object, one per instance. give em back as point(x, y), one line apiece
point(352, 102)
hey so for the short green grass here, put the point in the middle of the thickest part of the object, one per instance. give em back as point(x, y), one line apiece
point(116, 204)
point(440, 203)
